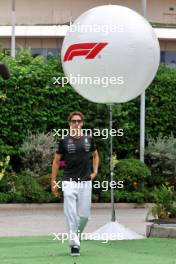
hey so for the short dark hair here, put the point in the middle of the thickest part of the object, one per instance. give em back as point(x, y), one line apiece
point(75, 113)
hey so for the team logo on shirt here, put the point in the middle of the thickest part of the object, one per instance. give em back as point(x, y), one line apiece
point(71, 148)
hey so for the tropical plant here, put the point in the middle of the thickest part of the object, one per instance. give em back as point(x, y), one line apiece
point(165, 199)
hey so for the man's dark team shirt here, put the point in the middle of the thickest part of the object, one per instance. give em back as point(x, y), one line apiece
point(76, 152)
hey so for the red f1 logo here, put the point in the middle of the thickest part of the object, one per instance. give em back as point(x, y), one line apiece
point(90, 50)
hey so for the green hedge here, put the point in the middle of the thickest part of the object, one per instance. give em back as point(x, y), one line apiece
point(31, 102)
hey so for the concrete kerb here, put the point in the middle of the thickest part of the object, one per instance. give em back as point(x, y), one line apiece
point(60, 205)
point(161, 230)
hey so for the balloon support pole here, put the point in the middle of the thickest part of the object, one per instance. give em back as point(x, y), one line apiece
point(113, 230)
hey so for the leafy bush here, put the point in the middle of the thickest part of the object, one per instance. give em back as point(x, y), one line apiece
point(6, 197)
point(124, 196)
point(165, 199)
point(95, 198)
point(27, 188)
point(161, 156)
point(23, 188)
point(106, 197)
point(141, 196)
point(133, 172)
point(37, 153)
point(3, 166)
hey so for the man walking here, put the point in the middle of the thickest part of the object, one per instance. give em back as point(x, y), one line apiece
point(76, 149)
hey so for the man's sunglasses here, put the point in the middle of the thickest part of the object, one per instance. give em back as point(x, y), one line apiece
point(74, 121)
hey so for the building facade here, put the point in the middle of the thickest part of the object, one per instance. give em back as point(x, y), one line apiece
point(42, 24)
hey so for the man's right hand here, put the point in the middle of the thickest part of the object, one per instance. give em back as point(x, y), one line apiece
point(54, 189)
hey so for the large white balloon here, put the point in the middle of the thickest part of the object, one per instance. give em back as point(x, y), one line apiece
point(110, 54)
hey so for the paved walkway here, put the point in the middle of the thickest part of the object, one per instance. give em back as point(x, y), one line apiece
point(33, 219)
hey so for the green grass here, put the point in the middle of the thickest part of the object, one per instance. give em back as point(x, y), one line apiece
point(45, 250)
